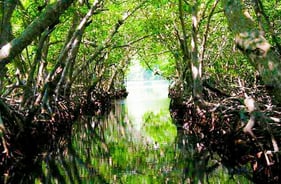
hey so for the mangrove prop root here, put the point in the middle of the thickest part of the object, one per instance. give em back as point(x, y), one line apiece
point(242, 131)
point(28, 135)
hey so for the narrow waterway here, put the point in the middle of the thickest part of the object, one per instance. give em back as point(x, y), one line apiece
point(146, 96)
point(136, 143)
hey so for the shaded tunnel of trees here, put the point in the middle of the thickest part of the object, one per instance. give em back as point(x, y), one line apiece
point(62, 59)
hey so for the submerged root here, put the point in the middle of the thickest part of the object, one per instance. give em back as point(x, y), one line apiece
point(240, 134)
point(27, 137)
point(30, 135)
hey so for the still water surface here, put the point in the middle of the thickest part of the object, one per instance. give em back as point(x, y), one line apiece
point(146, 96)
point(137, 143)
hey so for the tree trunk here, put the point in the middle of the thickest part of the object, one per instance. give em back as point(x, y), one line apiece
point(6, 11)
point(69, 53)
point(6, 27)
point(46, 19)
point(186, 77)
point(196, 64)
point(251, 41)
point(29, 87)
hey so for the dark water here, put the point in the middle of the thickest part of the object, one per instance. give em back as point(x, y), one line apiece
point(136, 143)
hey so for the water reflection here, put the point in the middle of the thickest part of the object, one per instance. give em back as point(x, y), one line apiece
point(146, 96)
point(125, 155)
point(136, 143)
point(109, 150)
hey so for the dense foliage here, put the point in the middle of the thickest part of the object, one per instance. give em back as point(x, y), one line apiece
point(89, 41)
point(60, 59)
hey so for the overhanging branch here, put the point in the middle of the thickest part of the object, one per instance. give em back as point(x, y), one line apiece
point(46, 19)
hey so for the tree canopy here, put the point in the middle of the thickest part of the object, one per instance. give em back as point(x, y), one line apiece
point(58, 55)
point(98, 39)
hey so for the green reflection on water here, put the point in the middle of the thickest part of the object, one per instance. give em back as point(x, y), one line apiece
point(111, 150)
point(159, 127)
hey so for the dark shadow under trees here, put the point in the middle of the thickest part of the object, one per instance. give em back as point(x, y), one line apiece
point(241, 137)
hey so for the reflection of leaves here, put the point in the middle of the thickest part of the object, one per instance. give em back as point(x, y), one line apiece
point(147, 117)
point(55, 171)
point(159, 127)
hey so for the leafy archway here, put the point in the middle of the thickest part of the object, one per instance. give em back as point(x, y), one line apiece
point(60, 59)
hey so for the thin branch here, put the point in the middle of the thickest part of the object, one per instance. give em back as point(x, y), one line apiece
point(132, 42)
point(184, 41)
point(10, 50)
point(107, 43)
point(205, 36)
